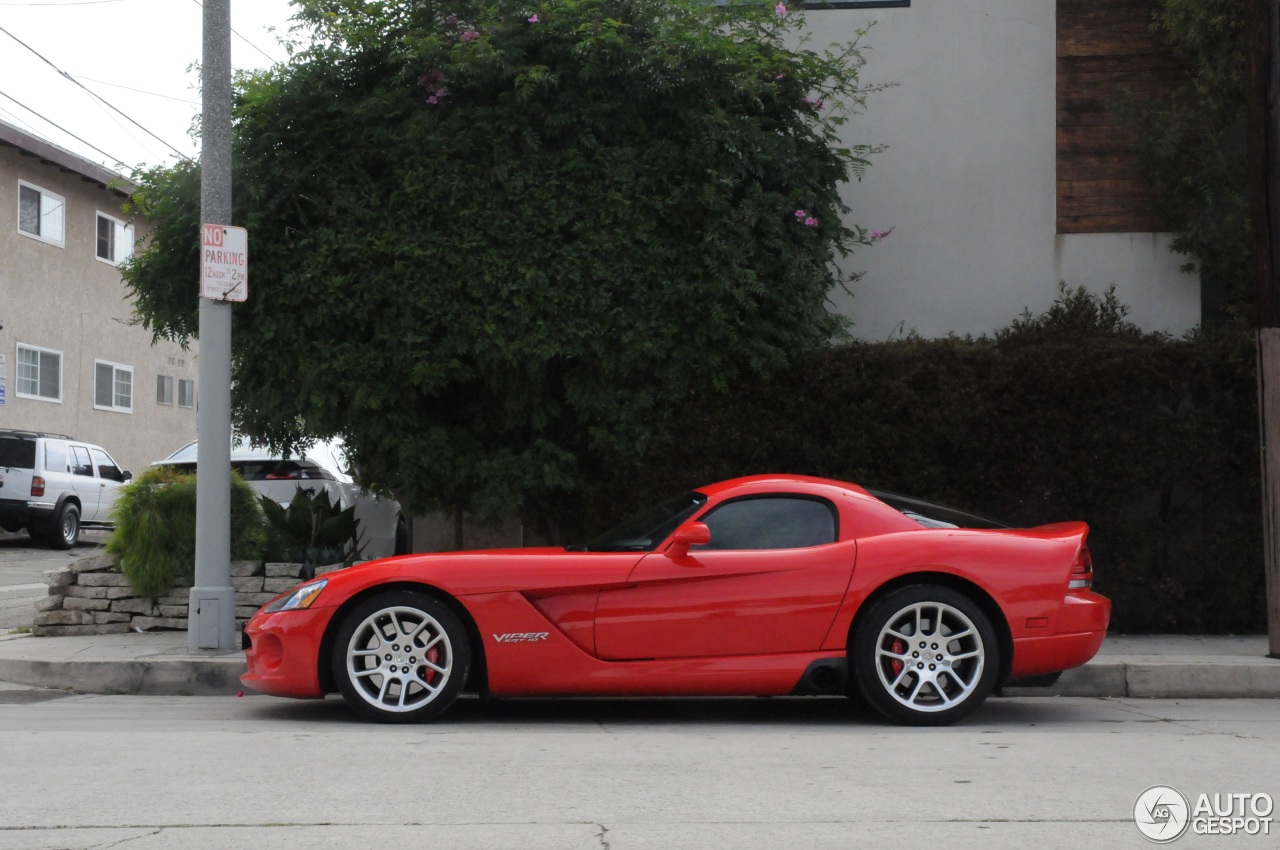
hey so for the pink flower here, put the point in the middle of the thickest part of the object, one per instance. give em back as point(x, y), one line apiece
point(801, 213)
point(451, 22)
point(877, 235)
point(814, 103)
point(533, 19)
point(468, 35)
point(810, 222)
point(781, 9)
point(433, 99)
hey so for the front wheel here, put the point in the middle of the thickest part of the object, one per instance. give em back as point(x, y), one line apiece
point(401, 657)
point(925, 655)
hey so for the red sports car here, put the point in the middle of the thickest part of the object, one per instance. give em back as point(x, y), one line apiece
point(768, 585)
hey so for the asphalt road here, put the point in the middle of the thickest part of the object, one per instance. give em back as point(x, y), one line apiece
point(217, 772)
point(22, 566)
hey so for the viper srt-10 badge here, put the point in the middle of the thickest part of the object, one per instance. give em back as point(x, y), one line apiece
point(521, 637)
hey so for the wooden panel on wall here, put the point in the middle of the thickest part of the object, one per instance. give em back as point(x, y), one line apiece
point(1105, 46)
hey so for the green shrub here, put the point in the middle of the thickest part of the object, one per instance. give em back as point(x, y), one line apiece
point(155, 528)
point(1074, 414)
point(311, 530)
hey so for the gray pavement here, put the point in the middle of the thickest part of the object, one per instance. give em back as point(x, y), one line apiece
point(89, 772)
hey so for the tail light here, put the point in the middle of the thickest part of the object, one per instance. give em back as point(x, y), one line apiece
point(1081, 571)
point(37, 485)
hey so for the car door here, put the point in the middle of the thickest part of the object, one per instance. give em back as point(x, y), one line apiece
point(85, 483)
point(110, 479)
point(770, 581)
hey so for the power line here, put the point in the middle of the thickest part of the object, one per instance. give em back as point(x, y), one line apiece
point(131, 88)
point(98, 96)
point(270, 58)
point(115, 159)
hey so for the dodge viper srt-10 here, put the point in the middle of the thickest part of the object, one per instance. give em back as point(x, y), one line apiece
point(769, 585)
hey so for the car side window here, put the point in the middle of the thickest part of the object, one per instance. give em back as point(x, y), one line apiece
point(106, 466)
point(771, 522)
point(55, 456)
point(80, 462)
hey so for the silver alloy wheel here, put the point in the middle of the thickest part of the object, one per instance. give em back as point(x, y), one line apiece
point(399, 659)
point(69, 526)
point(930, 656)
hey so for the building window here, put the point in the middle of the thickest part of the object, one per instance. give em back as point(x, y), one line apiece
point(164, 389)
point(115, 240)
point(112, 386)
point(40, 213)
point(186, 393)
point(39, 373)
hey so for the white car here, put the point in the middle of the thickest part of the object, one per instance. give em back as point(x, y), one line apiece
point(384, 531)
point(53, 485)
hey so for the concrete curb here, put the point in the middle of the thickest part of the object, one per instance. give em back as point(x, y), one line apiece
point(191, 677)
point(153, 664)
point(1181, 679)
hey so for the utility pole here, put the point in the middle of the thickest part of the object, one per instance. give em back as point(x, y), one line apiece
point(1262, 32)
point(211, 623)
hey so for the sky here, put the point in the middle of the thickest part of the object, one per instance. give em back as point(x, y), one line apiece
point(136, 55)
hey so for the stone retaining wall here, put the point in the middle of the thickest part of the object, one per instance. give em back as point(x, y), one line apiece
point(92, 597)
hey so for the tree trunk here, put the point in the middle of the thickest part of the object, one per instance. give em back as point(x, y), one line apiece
point(1262, 28)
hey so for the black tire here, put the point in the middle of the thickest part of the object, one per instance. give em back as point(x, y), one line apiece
point(404, 681)
point(66, 528)
point(925, 655)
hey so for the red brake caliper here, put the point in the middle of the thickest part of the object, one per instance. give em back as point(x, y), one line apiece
point(897, 648)
point(429, 675)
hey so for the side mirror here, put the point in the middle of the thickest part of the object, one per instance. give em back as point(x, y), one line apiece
point(126, 476)
point(693, 534)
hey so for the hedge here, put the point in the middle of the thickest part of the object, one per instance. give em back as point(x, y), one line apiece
point(1075, 414)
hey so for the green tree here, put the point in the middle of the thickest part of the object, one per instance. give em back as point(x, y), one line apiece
point(1191, 145)
point(491, 238)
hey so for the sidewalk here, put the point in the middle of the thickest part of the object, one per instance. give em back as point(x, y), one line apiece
point(159, 663)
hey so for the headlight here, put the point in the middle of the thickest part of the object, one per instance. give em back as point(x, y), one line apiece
point(299, 599)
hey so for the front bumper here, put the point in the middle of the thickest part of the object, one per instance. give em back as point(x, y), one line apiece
point(283, 652)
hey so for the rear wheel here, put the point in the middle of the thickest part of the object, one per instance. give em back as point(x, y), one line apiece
point(66, 528)
point(925, 655)
point(401, 657)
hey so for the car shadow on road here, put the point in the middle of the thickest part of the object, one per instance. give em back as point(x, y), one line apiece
point(638, 711)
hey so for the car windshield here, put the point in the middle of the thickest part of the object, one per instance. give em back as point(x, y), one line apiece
point(644, 531)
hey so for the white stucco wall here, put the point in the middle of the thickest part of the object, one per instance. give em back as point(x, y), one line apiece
point(969, 178)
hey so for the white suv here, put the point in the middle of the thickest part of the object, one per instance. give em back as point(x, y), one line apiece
point(52, 485)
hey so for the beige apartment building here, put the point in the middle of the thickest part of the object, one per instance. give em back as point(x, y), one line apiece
point(72, 360)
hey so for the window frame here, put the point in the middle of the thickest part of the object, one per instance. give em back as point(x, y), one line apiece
point(119, 228)
point(192, 400)
point(44, 193)
point(115, 367)
point(17, 386)
point(754, 497)
point(172, 395)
